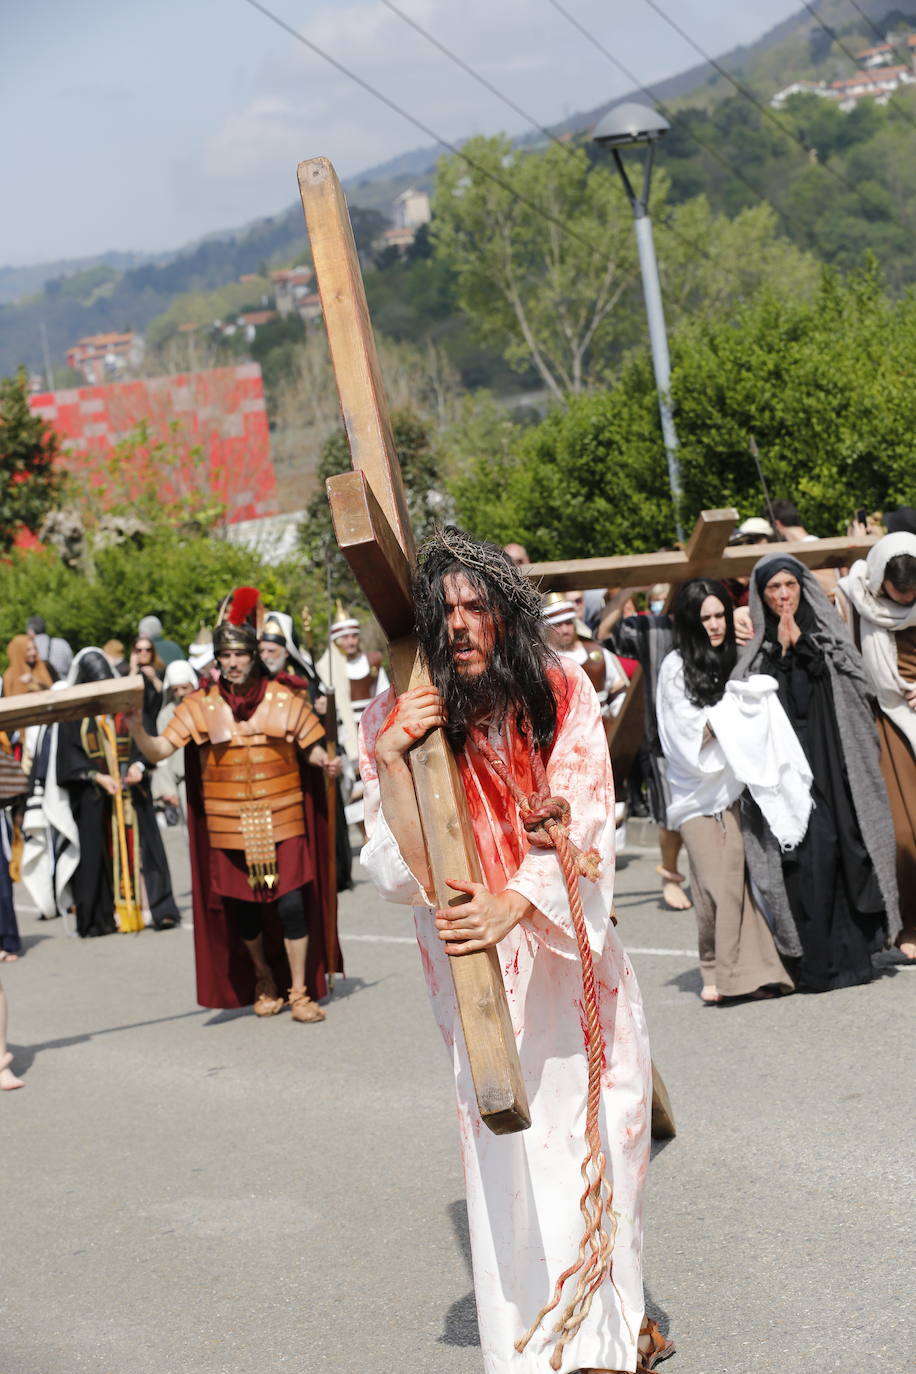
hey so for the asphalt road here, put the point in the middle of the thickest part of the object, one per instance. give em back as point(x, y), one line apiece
point(190, 1192)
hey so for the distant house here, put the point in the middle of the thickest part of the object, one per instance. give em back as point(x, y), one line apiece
point(253, 320)
point(292, 285)
point(878, 84)
point(310, 307)
point(876, 79)
point(886, 54)
point(801, 88)
point(411, 209)
point(106, 357)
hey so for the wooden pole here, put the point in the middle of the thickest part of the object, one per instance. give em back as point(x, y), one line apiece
point(373, 528)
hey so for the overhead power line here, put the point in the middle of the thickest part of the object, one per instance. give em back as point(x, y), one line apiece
point(511, 104)
point(743, 91)
point(671, 115)
point(436, 137)
point(905, 57)
point(426, 129)
point(834, 37)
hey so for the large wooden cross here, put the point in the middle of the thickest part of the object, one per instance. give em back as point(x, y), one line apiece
point(369, 509)
point(708, 554)
point(71, 703)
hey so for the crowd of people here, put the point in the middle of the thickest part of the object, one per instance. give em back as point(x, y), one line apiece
point(779, 737)
point(86, 801)
point(780, 751)
point(779, 748)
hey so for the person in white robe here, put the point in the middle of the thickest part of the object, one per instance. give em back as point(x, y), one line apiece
point(51, 847)
point(523, 1189)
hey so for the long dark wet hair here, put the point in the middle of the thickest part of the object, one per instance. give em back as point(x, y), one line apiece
point(706, 666)
point(516, 682)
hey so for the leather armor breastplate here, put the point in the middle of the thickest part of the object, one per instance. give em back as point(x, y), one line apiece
point(254, 760)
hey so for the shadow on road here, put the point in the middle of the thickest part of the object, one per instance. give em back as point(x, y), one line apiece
point(26, 1054)
point(461, 1317)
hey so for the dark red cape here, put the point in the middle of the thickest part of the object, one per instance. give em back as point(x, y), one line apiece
point(225, 977)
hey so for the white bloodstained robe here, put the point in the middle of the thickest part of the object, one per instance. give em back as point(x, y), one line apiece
point(523, 1190)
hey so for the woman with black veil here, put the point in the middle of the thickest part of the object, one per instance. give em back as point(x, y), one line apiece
point(840, 880)
point(708, 744)
point(92, 777)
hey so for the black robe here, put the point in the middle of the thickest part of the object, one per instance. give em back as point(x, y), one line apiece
point(830, 880)
point(92, 882)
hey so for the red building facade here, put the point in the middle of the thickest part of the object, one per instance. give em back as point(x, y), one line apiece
point(214, 424)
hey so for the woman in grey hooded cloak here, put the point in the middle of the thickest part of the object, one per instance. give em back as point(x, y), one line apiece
point(840, 881)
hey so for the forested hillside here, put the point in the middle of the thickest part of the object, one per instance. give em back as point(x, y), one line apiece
point(841, 184)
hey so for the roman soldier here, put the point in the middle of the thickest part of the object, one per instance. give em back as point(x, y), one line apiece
point(257, 822)
point(601, 667)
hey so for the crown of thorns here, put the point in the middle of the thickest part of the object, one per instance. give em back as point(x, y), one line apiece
point(488, 562)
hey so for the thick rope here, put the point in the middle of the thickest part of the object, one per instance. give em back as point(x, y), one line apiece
point(546, 821)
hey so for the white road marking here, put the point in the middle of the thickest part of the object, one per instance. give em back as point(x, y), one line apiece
point(411, 940)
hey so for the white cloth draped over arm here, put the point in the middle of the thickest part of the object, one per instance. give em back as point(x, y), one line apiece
point(698, 775)
point(763, 752)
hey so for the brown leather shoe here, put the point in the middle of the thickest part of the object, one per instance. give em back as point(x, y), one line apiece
point(302, 1007)
point(267, 1001)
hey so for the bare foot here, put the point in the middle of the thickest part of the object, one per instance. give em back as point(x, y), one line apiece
point(908, 949)
point(8, 958)
point(710, 995)
point(673, 894)
point(8, 1079)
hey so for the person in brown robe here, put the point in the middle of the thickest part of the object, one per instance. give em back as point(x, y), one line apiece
point(878, 598)
point(26, 672)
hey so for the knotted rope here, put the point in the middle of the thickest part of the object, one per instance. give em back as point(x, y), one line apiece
point(546, 821)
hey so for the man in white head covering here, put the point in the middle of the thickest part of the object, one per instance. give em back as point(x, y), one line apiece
point(355, 675)
point(601, 667)
point(281, 652)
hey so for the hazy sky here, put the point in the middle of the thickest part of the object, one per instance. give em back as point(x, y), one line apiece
point(143, 125)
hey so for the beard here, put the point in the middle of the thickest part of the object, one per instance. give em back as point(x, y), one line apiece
point(485, 697)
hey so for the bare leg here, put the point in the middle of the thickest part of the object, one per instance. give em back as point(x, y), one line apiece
point(673, 894)
point(267, 1002)
point(300, 1004)
point(8, 1079)
point(295, 953)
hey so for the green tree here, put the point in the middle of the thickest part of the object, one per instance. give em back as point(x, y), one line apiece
point(426, 502)
point(542, 249)
point(823, 384)
point(181, 578)
point(29, 448)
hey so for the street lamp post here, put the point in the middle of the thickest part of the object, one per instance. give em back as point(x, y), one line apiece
point(623, 127)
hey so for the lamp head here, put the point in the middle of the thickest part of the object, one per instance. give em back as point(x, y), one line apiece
point(628, 124)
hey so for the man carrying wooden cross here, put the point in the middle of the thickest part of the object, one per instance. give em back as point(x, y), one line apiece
point(527, 733)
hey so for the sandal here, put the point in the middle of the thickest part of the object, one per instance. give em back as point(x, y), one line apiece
point(302, 1007)
point(653, 1347)
point(267, 1002)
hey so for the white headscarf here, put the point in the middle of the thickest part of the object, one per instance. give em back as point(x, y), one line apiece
point(880, 619)
point(177, 672)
